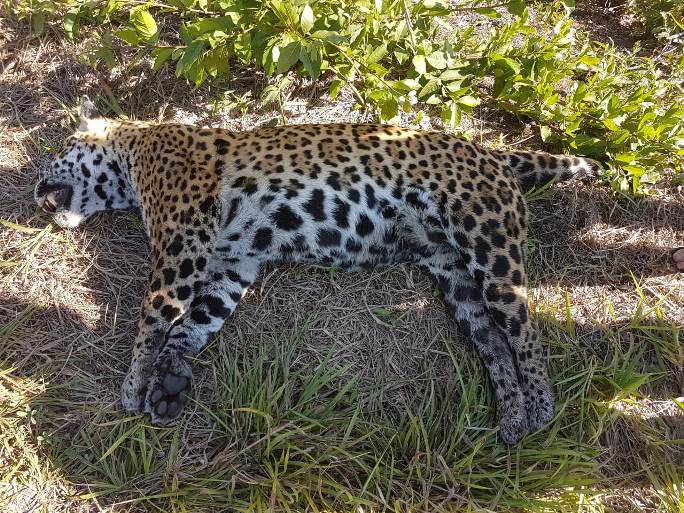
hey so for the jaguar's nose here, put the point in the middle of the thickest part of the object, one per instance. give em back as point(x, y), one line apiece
point(54, 197)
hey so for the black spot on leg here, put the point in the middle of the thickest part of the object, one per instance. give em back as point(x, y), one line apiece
point(468, 223)
point(514, 327)
point(437, 237)
point(176, 246)
point(329, 237)
point(200, 263)
point(341, 213)
point(364, 226)
point(100, 192)
point(183, 292)
point(514, 251)
point(169, 313)
point(370, 196)
point(207, 205)
point(262, 239)
point(286, 219)
point(216, 307)
point(169, 276)
point(186, 268)
point(412, 199)
point(499, 317)
point(236, 278)
point(200, 317)
point(353, 246)
point(315, 206)
point(501, 266)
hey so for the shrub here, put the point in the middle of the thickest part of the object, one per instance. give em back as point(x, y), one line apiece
point(664, 18)
point(586, 97)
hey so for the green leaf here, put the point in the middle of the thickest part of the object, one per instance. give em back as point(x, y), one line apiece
point(546, 133)
point(634, 170)
point(378, 53)
point(71, 24)
point(389, 109)
point(590, 60)
point(428, 89)
point(306, 20)
point(310, 57)
point(625, 158)
point(516, 7)
point(269, 95)
point(161, 56)
point(144, 23)
point(287, 57)
point(419, 64)
point(569, 6)
point(329, 36)
point(129, 35)
point(401, 56)
point(451, 114)
point(105, 54)
point(437, 60)
point(334, 90)
point(451, 75)
point(500, 84)
point(468, 101)
point(38, 22)
point(489, 12)
point(216, 62)
point(190, 56)
point(508, 64)
point(243, 48)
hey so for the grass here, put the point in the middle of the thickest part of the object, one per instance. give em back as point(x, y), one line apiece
point(327, 391)
point(281, 431)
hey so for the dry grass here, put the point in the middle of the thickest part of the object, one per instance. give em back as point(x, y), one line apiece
point(326, 390)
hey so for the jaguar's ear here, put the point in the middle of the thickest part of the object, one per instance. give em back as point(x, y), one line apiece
point(90, 119)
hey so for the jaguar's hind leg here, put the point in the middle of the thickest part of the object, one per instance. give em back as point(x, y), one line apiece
point(464, 296)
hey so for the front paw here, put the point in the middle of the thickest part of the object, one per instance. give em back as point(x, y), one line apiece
point(168, 388)
point(133, 390)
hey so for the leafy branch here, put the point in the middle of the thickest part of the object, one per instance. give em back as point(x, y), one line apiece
point(586, 97)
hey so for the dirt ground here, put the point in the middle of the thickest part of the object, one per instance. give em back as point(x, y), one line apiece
point(599, 269)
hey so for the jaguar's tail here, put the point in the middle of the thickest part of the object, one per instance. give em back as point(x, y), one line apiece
point(534, 169)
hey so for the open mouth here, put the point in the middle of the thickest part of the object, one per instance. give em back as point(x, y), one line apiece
point(53, 197)
point(49, 206)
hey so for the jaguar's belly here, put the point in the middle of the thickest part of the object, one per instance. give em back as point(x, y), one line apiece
point(357, 236)
point(388, 248)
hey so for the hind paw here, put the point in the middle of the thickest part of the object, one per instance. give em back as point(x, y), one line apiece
point(513, 425)
point(539, 405)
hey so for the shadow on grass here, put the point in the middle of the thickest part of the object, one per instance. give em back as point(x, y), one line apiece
point(277, 425)
point(588, 236)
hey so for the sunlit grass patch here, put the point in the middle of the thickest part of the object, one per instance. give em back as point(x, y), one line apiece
point(275, 429)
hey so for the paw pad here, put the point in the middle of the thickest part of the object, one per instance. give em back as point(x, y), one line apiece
point(168, 389)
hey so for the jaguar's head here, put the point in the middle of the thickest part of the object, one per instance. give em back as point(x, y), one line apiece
point(87, 176)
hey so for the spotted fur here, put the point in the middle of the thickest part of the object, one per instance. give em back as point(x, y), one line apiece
point(219, 204)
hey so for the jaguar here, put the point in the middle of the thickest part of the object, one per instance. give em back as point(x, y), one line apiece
point(217, 205)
